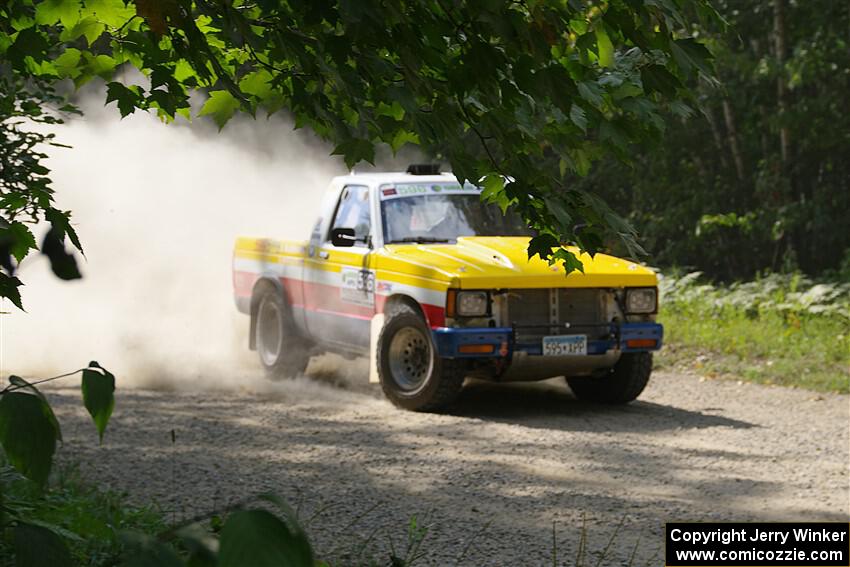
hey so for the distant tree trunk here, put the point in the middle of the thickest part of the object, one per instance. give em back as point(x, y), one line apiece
point(718, 139)
point(780, 45)
point(795, 237)
point(732, 130)
point(701, 170)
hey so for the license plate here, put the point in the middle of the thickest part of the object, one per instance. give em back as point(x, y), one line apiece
point(565, 345)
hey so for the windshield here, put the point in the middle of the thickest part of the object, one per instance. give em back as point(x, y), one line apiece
point(443, 216)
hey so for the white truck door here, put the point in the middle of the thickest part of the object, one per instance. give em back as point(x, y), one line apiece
point(338, 281)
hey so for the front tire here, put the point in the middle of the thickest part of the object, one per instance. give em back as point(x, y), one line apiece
point(282, 353)
point(623, 384)
point(412, 376)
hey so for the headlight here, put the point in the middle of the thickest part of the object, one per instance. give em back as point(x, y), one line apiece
point(641, 300)
point(472, 303)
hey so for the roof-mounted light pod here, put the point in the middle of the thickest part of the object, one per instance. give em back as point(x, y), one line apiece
point(423, 169)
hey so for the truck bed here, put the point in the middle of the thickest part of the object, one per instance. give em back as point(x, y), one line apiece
point(254, 258)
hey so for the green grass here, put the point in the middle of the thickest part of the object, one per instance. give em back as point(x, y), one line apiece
point(760, 332)
point(89, 518)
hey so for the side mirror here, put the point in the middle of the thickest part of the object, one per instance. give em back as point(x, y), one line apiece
point(343, 237)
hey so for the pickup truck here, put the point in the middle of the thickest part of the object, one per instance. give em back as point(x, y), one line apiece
point(413, 270)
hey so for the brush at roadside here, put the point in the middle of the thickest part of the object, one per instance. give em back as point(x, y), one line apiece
point(781, 329)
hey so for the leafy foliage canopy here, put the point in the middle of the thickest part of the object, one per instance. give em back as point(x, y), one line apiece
point(514, 95)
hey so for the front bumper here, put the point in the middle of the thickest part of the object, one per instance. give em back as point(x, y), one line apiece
point(623, 337)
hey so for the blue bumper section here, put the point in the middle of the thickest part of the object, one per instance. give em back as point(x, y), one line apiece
point(638, 331)
point(450, 340)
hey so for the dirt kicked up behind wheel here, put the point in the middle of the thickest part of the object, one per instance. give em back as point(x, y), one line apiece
point(414, 272)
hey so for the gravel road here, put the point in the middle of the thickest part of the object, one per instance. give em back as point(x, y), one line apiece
point(492, 478)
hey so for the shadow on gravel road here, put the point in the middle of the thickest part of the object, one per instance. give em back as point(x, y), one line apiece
point(548, 405)
point(342, 456)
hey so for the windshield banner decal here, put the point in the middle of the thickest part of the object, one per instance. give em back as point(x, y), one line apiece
point(400, 190)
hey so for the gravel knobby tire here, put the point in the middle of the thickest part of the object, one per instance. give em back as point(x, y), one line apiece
point(622, 385)
point(282, 351)
point(412, 376)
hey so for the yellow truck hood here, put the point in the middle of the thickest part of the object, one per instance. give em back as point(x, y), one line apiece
point(491, 262)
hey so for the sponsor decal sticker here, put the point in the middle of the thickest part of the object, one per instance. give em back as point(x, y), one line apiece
point(358, 287)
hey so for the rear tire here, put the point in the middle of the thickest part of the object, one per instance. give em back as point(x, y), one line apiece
point(623, 384)
point(412, 376)
point(282, 352)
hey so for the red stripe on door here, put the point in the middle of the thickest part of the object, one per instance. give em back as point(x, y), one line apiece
point(326, 298)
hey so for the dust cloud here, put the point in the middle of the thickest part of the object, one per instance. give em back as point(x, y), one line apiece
point(157, 208)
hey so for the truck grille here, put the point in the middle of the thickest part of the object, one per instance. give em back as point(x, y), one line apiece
point(536, 313)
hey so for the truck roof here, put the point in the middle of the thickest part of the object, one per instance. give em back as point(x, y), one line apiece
point(392, 177)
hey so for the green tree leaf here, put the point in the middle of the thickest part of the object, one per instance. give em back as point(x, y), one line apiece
point(94, 66)
point(560, 213)
point(29, 43)
point(68, 64)
point(98, 387)
point(591, 93)
point(690, 54)
point(90, 27)
point(9, 288)
point(581, 161)
point(21, 240)
point(143, 550)
point(183, 71)
point(394, 110)
point(261, 539)
point(221, 106)
point(52, 11)
point(37, 546)
point(21, 383)
point(494, 192)
point(493, 186)
point(127, 98)
point(656, 78)
point(578, 117)
point(403, 137)
point(257, 84)
point(578, 26)
point(28, 434)
point(542, 246)
point(568, 260)
point(355, 150)
point(604, 46)
point(113, 13)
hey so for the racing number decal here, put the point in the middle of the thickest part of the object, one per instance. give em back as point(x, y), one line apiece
point(358, 286)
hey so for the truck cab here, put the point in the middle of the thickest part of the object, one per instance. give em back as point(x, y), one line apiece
point(413, 270)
